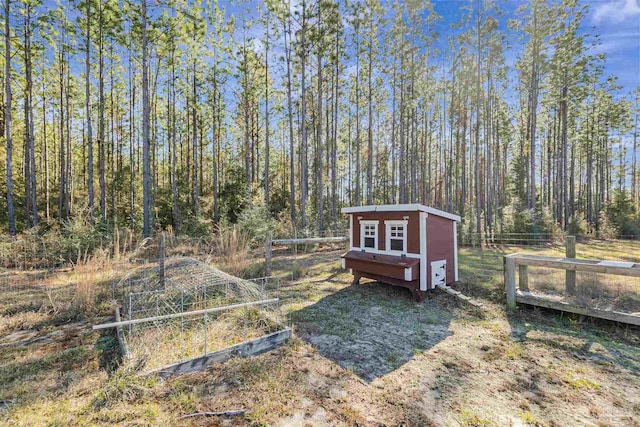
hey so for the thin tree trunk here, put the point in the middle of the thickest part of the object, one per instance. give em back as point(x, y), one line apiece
point(46, 151)
point(266, 117)
point(146, 165)
point(62, 197)
point(565, 195)
point(87, 92)
point(30, 162)
point(101, 126)
point(7, 117)
point(320, 186)
point(334, 147)
point(172, 141)
point(477, 148)
point(370, 125)
point(292, 181)
point(303, 119)
point(194, 118)
point(357, 88)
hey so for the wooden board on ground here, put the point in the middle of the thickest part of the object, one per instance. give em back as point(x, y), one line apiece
point(244, 349)
point(459, 295)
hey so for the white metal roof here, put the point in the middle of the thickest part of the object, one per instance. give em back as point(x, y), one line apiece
point(403, 207)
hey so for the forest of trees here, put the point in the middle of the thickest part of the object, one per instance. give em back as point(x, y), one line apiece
point(183, 113)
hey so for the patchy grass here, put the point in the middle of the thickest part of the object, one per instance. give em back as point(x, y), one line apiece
point(578, 381)
point(472, 420)
point(361, 355)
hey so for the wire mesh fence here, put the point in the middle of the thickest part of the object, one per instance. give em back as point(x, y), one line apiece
point(192, 310)
point(507, 239)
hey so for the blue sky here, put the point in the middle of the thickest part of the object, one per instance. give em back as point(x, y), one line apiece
point(616, 21)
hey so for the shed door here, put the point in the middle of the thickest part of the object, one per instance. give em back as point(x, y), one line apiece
point(438, 273)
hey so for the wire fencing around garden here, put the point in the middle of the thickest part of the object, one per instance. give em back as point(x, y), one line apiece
point(183, 309)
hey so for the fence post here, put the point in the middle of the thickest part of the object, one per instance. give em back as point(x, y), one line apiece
point(510, 280)
point(116, 244)
point(161, 260)
point(267, 255)
point(570, 275)
point(523, 278)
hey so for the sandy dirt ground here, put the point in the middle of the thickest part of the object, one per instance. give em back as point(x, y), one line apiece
point(365, 355)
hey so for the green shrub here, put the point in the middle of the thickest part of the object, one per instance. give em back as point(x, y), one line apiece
point(196, 225)
point(577, 226)
point(52, 244)
point(256, 223)
point(622, 216)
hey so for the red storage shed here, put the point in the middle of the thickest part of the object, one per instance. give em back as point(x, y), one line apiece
point(409, 245)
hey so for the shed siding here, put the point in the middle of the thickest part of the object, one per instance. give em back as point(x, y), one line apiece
point(440, 245)
point(413, 228)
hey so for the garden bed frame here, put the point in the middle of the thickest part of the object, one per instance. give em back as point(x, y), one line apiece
point(247, 348)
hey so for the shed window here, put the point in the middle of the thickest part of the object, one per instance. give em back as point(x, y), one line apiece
point(369, 234)
point(396, 236)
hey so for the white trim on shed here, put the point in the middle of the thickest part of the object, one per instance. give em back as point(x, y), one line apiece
point(402, 207)
point(396, 223)
point(363, 226)
point(423, 251)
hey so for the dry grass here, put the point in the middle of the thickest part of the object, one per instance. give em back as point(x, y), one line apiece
point(161, 344)
point(530, 367)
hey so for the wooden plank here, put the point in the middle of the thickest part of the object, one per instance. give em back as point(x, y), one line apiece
point(625, 264)
point(570, 275)
point(184, 314)
point(247, 348)
point(215, 414)
point(577, 265)
point(510, 280)
point(309, 240)
point(268, 253)
point(523, 277)
point(458, 295)
point(541, 301)
point(120, 334)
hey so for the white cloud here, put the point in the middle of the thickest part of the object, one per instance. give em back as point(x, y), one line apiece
point(616, 11)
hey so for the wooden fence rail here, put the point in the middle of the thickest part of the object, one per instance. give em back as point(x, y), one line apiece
point(522, 295)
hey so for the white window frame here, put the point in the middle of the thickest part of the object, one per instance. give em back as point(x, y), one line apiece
point(390, 223)
point(375, 238)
